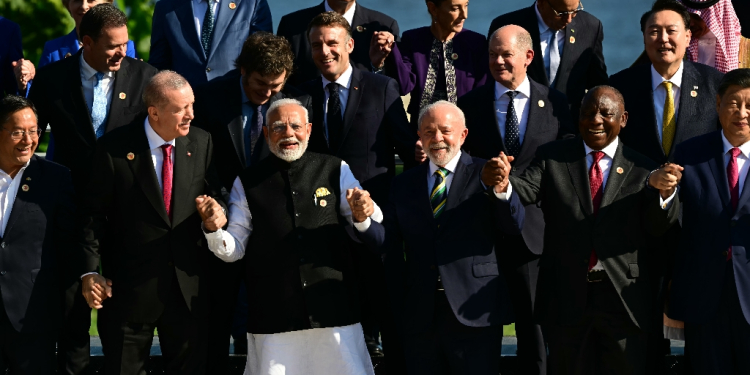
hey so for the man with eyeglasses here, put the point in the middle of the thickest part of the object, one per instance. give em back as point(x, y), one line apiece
point(37, 234)
point(303, 311)
point(567, 47)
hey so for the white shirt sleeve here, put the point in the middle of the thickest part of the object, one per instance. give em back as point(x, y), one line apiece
point(667, 203)
point(348, 181)
point(229, 245)
point(504, 196)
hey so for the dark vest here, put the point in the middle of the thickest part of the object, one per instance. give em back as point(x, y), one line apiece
point(299, 267)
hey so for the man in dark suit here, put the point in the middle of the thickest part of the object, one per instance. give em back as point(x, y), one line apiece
point(446, 221)
point(600, 200)
point(567, 47)
point(140, 220)
point(200, 39)
point(37, 234)
point(81, 98)
point(711, 281)
point(10, 52)
point(233, 109)
point(364, 24)
point(536, 115)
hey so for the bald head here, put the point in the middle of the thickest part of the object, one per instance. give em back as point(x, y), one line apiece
point(166, 80)
point(511, 52)
point(514, 34)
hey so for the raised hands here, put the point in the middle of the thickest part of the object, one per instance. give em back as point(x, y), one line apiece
point(96, 289)
point(665, 179)
point(24, 71)
point(419, 155)
point(360, 203)
point(211, 213)
point(496, 171)
point(380, 47)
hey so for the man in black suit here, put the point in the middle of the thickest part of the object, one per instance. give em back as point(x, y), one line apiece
point(362, 120)
point(536, 115)
point(140, 220)
point(364, 24)
point(81, 98)
point(567, 47)
point(601, 204)
point(37, 233)
point(233, 109)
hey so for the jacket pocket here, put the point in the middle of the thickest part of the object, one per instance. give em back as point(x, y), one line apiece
point(485, 269)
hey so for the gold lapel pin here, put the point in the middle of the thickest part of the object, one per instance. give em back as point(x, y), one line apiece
point(572, 31)
point(25, 187)
point(620, 170)
point(454, 56)
point(541, 103)
point(356, 88)
point(694, 93)
point(572, 39)
point(131, 156)
point(123, 96)
point(28, 178)
point(68, 55)
point(323, 203)
point(360, 28)
point(232, 5)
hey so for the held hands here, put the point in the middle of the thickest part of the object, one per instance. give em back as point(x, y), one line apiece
point(211, 213)
point(380, 47)
point(96, 289)
point(665, 179)
point(24, 71)
point(360, 203)
point(496, 171)
point(419, 154)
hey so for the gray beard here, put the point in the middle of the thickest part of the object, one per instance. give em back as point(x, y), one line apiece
point(442, 161)
point(288, 155)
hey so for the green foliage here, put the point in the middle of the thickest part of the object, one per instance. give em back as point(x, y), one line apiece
point(139, 13)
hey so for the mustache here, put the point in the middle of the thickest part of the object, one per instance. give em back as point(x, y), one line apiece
point(439, 145)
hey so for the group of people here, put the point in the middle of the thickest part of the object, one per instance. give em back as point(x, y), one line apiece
point(246, 179)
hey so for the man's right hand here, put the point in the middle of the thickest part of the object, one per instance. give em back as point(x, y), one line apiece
point(419, 155)
point(381, 45)
point(96, 289)
point(211, 213)
point(496, 171)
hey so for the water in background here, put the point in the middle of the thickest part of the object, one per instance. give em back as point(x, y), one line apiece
point(623, 41)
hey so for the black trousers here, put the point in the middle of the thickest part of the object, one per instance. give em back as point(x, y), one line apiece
point(603, 341)
point(721, 345)
point(451, 348)
point(25, 353)
point(73, 341)
point(224, 297)
point(127, 345)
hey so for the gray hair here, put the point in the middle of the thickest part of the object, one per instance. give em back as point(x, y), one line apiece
point(154, 93)
point(285, 102)
point(523, 38)
point(437, 104)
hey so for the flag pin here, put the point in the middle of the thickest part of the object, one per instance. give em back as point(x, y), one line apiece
point(695, 87)
point(356, 88)
point(454, 56)
point(360, 28)
point(123, 96)
point(232, 5)
point(131, 156)
point(28, 178)
point(541, 103)
point(25, 187)
point(694, 93)
point(572, 39)
point(620, 170)
point(189, 154)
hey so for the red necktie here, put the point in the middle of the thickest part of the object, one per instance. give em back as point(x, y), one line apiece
point(596, 179)
point(733, 173)
point(166, 178)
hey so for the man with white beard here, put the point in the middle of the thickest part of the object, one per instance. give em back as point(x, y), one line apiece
point(289, 218)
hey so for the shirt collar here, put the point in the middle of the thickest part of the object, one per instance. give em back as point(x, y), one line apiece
point(744, 148)
point(154, 140)
point(349, 15)
point(609, 150)
point(87, 71)
point(657, 79)
point(344, 80)
point(200, 1)
point(540, 21)
point(524, 88)
point(451, 166)
point(20, 171)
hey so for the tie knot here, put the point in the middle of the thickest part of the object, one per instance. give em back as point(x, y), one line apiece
point(332, 87)
point(442, 172)
point(735, 151)
point(99, 76)
point(167, 148)
point(598, 155)
point(512, 94)
point(667, 85)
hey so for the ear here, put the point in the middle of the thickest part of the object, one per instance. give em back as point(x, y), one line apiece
point(464, 134)
point(432, 9)
point(529, 57)
point(350, 45)
point(265, 132)
point(87, 42)
point(242, 71)
point(624, 119)
point(153, 112)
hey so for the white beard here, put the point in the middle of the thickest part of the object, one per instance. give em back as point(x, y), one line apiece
point(288, 155)
point(450, 153)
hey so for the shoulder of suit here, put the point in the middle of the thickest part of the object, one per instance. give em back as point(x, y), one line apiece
point(197, 134)
point(377, 79)
point(698, 146)
point(326, 158)
point(638, 159)
point(306, 14)
point(471, 36)
point(628, 76)
point(373, 15)
point(587, 19)
point(511, 17)
point(708, 73)
point(559, 147)
point(141, 66)
point(470, 99)
point(165, 5)
point(51, 167)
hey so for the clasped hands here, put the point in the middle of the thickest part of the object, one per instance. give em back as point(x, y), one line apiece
point(24, 71)
point(211, 213)
point(496, 171)
point(360, 203)
point(381, 45)
point(665, 179)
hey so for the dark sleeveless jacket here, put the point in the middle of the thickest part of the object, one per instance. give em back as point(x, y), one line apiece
point(299, 268)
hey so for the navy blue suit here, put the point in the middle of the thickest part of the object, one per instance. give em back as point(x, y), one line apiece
point(460, 246)
point(710, 294)
point(10, 50)
point(175, 44)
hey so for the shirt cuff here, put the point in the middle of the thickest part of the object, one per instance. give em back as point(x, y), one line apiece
point(503, 196)
point(667, 203)
point(88, 273)
point(363, 226)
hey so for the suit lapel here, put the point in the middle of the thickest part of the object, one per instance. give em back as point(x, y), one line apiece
point(143, 169)
point(235, 128)
point(31, 177)
point(488, 107)
point(689, 106)
point(352, 104)
point(318, 137)
point(568, 51)
point(580, 179)
point(718, 168)
point(532, 26)
point(224, 18)
point(82, 114)
point(650, 132)
point(461, 178)
point(182, 179)
point(615, 179)
point(121, 85)
point(418, 188)
point(184, 13)
point(533, 124)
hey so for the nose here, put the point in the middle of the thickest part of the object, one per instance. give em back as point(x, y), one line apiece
point(326, 50)
point(663, 36)
point(288, 131)
point(463, 13)
point(189, 112)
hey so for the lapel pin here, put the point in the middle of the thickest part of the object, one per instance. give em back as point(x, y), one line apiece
point(356, 88)
point(541, 103)
point(694, 93)
point(323, 203)
point(68, 55)
point(131, 156)
point(572, 39)
point(454, 56)
point(28, 178)
point(572, 31)
point(123, 96)
point(360, 28)
point(620, 170)
point(189, 154)
point(25, 187)
point(695, 87)
point(232, 5)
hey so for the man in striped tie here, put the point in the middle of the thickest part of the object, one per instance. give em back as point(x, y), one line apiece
point(456, 300)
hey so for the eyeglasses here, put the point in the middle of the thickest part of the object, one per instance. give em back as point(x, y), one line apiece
point(17, 135)
point(565, 14)
point(280, 128)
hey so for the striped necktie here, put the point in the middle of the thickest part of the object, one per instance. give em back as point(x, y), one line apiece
point(439, 195)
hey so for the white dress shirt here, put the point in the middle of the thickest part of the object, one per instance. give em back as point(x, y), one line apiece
point(88, 81)
point(742, 159)
point(229, 245)
point(8, 191)
point(157, 155)
point(451, 167)
point(344, 81)
point(520, 104)
point(199, 13)
point(545, 37)
point(349, 15)
point(660, 95)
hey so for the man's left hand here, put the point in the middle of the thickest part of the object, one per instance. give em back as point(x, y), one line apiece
point(211, 213)
point(666, 179)
point(360, 203)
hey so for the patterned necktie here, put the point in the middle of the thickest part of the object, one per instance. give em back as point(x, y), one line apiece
point(512, 131)
point(207, 29)
point(669, 124)
point(439, 195)
point(733, 172)
point(334, 118)
point(253, 131)
point(99, 106)
point(554, 58)
point(166, 178)
point(596, 180)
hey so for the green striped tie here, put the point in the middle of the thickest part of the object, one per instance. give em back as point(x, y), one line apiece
point(439, 195)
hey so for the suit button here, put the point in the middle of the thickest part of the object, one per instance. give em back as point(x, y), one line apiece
point(513, 169)
point(297, 214)
point(512, 210)
point(208, 70)
point(304, 284)
point(432, 266)
point(294, 193)
point(3, 273)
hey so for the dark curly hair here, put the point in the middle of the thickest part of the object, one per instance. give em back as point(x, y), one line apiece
point(100, 17)
point(330, 19)
point(267, 54)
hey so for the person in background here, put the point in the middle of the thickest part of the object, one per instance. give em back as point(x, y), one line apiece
point(11, 53)
point(742, 10)
point(715, 29)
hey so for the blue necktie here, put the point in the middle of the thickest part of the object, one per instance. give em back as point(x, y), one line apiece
point(252, 132)
point(99, 107)
point(208, 28)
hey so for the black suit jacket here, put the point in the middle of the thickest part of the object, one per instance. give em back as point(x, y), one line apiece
point(126, 224)
point(547, 122)
point(293, 27)
point(39, 239)
point(696, 115)
point(375, 126)
point(218, 110)
point(558, 178)
point(58, 96)
point(582, 62)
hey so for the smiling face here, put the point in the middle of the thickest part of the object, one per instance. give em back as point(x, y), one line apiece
point(547, 9)
point(508, 62)
point(442, 134)
point(602, 117)
point(450, 15)
point(15, 153)
point(171, 119)
point(106, 53)
point(734, 111)
point(331, 47)
point(259, 89)
point(77, 8)
point(665, 39)
point(283, 140)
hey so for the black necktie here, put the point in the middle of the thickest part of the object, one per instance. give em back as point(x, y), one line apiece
point(208, 28)
point(334, 119)
point(512, 135)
